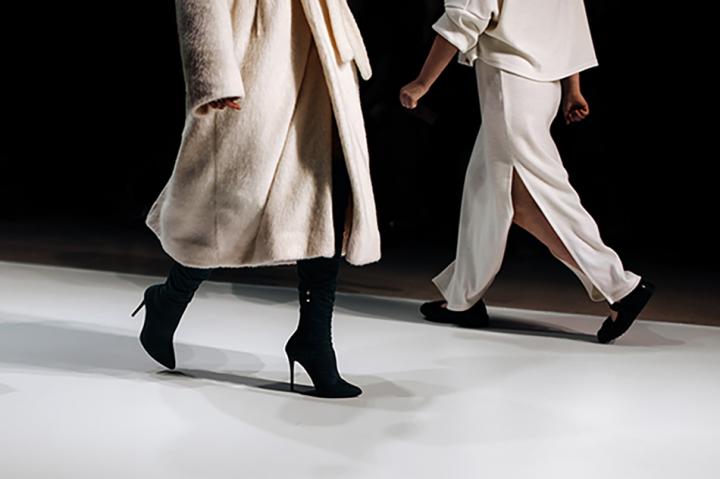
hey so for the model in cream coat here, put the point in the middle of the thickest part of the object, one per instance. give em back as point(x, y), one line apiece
point(251, 186)
point(273, 166)
point(523, 52)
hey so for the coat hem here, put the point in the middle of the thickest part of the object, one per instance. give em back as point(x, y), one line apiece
point(290, 258)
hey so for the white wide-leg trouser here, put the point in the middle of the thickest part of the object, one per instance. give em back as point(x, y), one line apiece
point(515, 133)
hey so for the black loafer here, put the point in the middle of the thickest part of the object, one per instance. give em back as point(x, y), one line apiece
point(628, 310)
point(476, 316)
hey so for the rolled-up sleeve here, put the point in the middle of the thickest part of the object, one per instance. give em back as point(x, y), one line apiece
point(211, 69)
point(462, 24)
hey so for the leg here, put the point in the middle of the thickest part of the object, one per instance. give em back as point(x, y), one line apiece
point(485, 211)
point(554, 215)
point(482, 235)
point(486, 207)
point(529, 217)
point(183, 281)
point(165, 304)
point(548, 204)
point(311, 344)
point(545, 203)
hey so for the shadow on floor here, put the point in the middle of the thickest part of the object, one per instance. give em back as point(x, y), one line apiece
point(64, 346)
point(240, 380)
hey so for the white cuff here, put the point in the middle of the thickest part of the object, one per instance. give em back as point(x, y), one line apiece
point(462, 29)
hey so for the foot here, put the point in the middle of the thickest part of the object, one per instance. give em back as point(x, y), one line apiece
point(437, 312)
point(625, 311)
point(319, 361)
point(161, 321)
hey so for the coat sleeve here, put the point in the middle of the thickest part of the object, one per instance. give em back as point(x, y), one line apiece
point(210, 66)
point(463, 22)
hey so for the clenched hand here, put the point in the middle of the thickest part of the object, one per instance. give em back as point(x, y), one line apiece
point(225, 102)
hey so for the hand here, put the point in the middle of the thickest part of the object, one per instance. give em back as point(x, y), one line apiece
point(411, 94)
point(575, 107)
point(225, 102)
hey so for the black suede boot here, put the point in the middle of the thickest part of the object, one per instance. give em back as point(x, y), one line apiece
point(311, 344)
point(165, 304)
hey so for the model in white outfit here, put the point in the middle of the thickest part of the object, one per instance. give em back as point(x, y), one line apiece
point(521, 51)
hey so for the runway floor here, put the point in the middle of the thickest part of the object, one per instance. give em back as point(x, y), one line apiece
point(533, 396)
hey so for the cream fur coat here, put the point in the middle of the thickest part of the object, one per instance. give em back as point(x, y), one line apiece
point(253, 187)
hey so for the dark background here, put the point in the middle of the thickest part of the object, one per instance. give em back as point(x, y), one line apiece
point(94, 104)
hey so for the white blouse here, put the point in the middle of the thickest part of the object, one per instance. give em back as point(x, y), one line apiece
point(540, 39)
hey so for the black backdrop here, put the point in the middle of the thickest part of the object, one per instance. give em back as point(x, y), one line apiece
point(94, 104)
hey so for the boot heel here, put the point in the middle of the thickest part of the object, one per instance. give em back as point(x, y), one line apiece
point(142, 303)
point(292, 373)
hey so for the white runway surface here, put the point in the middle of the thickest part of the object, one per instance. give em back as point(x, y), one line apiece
point(532, 397)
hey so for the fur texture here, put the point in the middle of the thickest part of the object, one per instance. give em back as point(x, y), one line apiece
point(253, 187)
